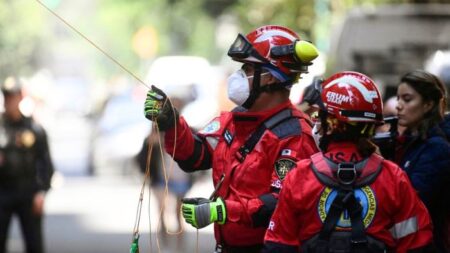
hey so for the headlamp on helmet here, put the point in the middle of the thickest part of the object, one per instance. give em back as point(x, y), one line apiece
point(303, 53)
point(277, 46)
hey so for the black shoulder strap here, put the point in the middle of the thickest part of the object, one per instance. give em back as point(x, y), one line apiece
point(345, 177)
point(270, 123)
point(336, 208)
point(345, 200)
point(359, 239)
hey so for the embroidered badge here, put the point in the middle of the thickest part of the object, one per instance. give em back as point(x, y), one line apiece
point(212, 127)
point(283, 166)
point(364, 195)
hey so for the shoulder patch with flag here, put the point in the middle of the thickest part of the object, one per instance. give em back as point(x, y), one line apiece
point(286, 152)
point(289, 153)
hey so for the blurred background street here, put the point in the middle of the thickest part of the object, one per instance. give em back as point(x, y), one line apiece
point(91, 214)
point(92, 109)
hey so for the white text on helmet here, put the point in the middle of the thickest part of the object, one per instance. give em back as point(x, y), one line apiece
point(333, 97)
point(368, 95)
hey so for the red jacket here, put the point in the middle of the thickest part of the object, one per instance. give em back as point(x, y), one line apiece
point(391, 206)
point(216, 147)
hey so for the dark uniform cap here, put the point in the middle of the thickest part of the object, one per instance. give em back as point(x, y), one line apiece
point(11, 85)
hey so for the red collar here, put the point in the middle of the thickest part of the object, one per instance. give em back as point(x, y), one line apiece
point(246, 122)
point(260, 116)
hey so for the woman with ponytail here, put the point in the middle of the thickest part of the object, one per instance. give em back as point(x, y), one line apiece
point(424, 151)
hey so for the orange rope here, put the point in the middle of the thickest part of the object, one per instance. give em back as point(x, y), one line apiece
point(155, 127)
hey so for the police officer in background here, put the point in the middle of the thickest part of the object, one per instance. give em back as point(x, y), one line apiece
point(347, 198)
point(25, 170)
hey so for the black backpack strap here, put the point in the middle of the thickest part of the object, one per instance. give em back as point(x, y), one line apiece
point(345, 177)
point(270, 123)
point(345, 200)
point(334, 213)
point(359, 238)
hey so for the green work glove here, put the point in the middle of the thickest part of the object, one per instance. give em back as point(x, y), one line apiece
point(159, 109)
point(200, 212)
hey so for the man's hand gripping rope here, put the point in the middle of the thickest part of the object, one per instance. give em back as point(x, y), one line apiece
point(159, 109)
point(164, 114)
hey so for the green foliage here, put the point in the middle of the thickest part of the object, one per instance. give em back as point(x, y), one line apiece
point(22, 33)
point(115, 23)
point(296, 14)
point(182, 26)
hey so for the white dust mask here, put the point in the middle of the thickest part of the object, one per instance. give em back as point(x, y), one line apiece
point(238, 87)
point(315, 134)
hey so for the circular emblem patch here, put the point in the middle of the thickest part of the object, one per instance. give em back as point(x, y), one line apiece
point(364, 195)
point(211, 127)
point(283, 166)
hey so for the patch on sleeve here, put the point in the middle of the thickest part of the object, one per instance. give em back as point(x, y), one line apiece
point(212, 127)
point(228, 137)
point(286, 152)
point(283, 166)
point(289, 153)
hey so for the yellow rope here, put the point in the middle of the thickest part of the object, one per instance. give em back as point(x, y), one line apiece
point(155, 127)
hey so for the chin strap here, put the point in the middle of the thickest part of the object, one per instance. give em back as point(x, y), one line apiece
point(257, 89)
point(274, 86)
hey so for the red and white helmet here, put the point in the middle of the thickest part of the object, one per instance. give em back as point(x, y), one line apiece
point(352, 97)
point(276, 46)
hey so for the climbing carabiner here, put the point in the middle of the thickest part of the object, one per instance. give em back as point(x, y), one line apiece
point(134, 248)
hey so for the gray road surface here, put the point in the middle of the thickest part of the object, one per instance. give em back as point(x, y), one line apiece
point(96, 215)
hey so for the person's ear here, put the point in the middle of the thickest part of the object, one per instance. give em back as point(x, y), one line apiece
point(269, 79)
point(428, 105)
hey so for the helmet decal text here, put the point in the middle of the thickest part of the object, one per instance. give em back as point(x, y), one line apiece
point(368, 95)
point(337, 98)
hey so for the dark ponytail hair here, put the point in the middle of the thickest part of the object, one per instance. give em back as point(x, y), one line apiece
point(360, 133)
point(431, 89)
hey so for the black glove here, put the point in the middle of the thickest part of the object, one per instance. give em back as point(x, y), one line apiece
point(158, 108)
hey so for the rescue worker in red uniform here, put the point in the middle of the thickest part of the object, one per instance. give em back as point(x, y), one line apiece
point(347, 198)
point(249, 149)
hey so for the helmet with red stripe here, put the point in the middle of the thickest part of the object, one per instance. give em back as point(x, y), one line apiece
point(274, 46)
point(352, 97)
